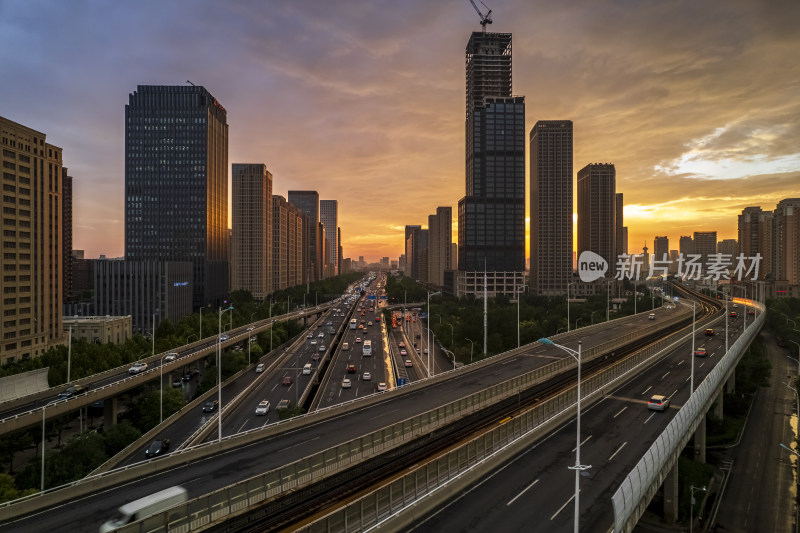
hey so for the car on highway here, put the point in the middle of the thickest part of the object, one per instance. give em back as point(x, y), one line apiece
point(177, 382)
point(658, 403)
point(751, 312)
point(401, 344)
point(250, 328)
point(187, 377)
point(369, 323)
point(137, 367)
point(734, 314)
point(358, 339)
point(328, 323)
point(313, 342)
point(710, 332)
point(74, 390)
point(263, 408)
point(211, 406)
point(223, 337)
point(286, 381)
point(322, 348)
point(700, 352)
point(346, 384)
point(382, 387)
point(171, 356)
point(403, 352)
point(366, 376)
point(259, 368)
point(283, 404)
point(408, 362)
point(157, 448)
point(345, 347)
point(321, 335)
point(315, 357)
point(351, 368)
point(310, 336)
point(651, 316)
point(418, 335)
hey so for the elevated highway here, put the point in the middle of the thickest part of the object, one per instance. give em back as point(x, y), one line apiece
point(210, 467)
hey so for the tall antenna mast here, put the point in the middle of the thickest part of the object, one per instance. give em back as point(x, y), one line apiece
point(485, 19)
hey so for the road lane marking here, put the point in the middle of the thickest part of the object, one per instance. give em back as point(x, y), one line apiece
point(681, 362)
point(300, 443)
point(648, 418)
point(242, 426)
point(687, 379)
point(665, 375)
point(521, 493)
point(620, 412)
point(673, 394)
point(618, 450)
point(701, 364)
point(562, 507)
point(582, 443)
point(645, 391)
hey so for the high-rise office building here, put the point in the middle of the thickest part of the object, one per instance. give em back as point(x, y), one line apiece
point(786, 232)
point(251, 261)
point(756, 237)
point(176, 184)
point(596, 211)
point(340, 252)
point(32, 259)
point(491, 216)
point(329, 216)
point(729, 247)
point(440, 239)
point(661, 248)
point(551, 206)
point(619, 216)
point(705, 244)
point(416, 252)
point(308, 203)
point(287, 244)
point(686, 246)
point(408, 247)
point(66, 239)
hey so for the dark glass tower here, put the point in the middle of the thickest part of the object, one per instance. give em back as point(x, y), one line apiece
point(491, 217)
point(176, 183)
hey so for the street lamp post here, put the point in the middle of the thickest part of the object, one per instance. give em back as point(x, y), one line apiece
point(577, 321)
point(161, 389)
point(429, 329)
point(445, 350)
point(69, 354)
point(43, 435)
point(270, 324)
point(593, 312)
point(219, 373)
point(568, 286)
point(451, 332)
point(154, 335)
point(798, 361)
point(470, 348)
point(190, 336)
point(691, 382)
point(578, 468)
point(201, 323)
point(692, 490)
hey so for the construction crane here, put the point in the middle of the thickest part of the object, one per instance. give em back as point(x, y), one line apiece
point(485, 19)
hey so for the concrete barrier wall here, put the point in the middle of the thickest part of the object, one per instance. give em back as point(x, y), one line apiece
point(23, 384)
point(638, 488)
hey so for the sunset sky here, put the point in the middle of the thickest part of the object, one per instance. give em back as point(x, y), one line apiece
point(696, 103)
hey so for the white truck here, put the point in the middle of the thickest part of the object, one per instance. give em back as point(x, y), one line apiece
point(148, 506)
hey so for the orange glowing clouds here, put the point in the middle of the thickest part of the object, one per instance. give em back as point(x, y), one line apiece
point(694, 102)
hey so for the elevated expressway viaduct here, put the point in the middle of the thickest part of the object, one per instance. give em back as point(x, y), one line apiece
point(288, 467)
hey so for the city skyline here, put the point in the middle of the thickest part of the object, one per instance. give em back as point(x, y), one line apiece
point(362, 102)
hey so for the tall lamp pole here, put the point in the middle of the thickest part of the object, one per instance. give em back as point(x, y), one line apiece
point(429, 329)
point(578, 468)
point(692, 490)
point(219, 373)
point(691, 382)
point(470, 348)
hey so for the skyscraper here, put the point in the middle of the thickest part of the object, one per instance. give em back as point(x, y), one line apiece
point(551, 206)
point(756, 237)
point(786, 221)
point(251, 261)
point(176, 183)
point(308, 203)
point(32, 257)
point(705, 244)
point(287, 244)
point(491, 216)
point(620, 244)
point(329, 216)
point(408, 243)
point(661, 248)
point(686, 245)
point(596, 211)
point(66, 240)
point(440, 238)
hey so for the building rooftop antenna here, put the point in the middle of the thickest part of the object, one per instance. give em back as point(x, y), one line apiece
point(190, 83)
point(485, 19)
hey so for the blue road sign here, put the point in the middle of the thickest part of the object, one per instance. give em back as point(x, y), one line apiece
point(401, 381)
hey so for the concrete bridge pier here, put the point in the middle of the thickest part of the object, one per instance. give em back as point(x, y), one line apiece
point(730, 385)
point(718, 403)
point(700, 442)
point(671, 496)
point(110, 411)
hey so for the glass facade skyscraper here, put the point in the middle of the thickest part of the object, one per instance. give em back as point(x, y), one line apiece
point(176, 183)
point(491, 216)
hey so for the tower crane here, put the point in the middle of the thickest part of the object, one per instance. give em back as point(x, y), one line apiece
point(485, 19)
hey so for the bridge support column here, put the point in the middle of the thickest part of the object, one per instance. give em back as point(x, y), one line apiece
point(110, 412)
point(671, 496)
point(201, 364)
point(700, 442)
point(730, 385)
point(718, 403)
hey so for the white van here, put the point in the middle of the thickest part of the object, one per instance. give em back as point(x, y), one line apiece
point(148, 506)
point(307, 368)
point(345, 347)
